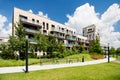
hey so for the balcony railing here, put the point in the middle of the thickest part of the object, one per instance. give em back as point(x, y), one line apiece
point(58, 35)
point(58, 30)
point(69, 33)
point(29, 21)
point(71, 38)
point(31, 30)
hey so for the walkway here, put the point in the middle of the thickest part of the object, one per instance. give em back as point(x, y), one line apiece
point(4, 70)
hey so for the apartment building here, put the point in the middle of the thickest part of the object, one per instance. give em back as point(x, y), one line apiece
point(34, 23)
point(91, 32)
point(3, 40)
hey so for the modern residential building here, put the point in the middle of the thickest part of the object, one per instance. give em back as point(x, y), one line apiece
point(3, 40)
point(91, 32)
point(34, 23)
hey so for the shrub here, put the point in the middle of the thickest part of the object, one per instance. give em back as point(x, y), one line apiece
point(97, 56)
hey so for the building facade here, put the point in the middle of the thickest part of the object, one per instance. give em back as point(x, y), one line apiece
point(3, 40)
point(34, 23)
point(91, 32)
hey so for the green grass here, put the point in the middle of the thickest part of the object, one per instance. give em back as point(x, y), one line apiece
point(79, 56)
point(74, 58)
point(4, 63)
point(104, 71)
point(118, 58)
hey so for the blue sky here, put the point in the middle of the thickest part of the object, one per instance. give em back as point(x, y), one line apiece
point(74, 13)
point(56, 9)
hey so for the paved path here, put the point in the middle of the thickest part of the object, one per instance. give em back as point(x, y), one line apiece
point(4, 70)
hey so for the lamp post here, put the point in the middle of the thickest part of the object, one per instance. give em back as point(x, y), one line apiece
point(26, 55)
point(108, 54)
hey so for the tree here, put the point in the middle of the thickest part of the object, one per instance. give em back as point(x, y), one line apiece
point(118, 51)
point(41, 41)
point(52, 46)
point(81, 47)
point(17, 42)
point(6, 52)
point(95, 47)
point(112, 51)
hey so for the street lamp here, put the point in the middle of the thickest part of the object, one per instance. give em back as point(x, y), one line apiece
point(26, 54)
point(108, 54)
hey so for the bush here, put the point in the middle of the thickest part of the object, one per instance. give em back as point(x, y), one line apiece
point(6, 52)
point(97, 56)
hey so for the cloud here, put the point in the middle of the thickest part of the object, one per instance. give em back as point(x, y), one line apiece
point(86, 15)
point(30, 10)
point(40, 13)
point(5, 31)
point(3, 19)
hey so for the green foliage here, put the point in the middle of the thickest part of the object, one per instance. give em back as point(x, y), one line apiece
point(52, 46)
point(118, 52)
point(17, 42)
point(41, 41)
point(81, 47)
point(112, 51)
point(6, 52)
point(95, 47)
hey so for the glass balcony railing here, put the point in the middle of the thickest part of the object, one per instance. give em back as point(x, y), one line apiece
point(71, 38)
point(69, 33)
point(31, 30)
point(29, 21)
point(58, 30)
point(58, 35)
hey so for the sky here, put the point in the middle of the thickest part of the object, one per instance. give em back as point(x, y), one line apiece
point(105, 14)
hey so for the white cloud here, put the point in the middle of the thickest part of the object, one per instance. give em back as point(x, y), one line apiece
point(3, 19)
point(85, 15)
point(5, 31)
point(40, 13)
point(30, 10)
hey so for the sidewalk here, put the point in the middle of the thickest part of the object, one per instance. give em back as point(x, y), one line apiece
point(4, 70)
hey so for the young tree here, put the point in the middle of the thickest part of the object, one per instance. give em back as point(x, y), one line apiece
point(118, 51)
point(52, 46)
point(41, 41)
point(112, 51)
point(17, 42)
point(81, 47)
point(95, 47)
point(6, 52)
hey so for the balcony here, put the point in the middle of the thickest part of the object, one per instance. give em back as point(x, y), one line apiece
point(30, 22)
point(71, 38)
point(58, 36)
point(68, 33)
point(31, 30)
point(58, 30)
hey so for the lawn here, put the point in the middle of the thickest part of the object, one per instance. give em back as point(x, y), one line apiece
point(104, 71)
point(4, 63)
point(118, 58)
point(74, 58)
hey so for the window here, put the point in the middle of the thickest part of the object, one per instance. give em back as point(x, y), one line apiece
point(47, 26)
point(53, 25)
point(37, 21)
point(33, 20)
point(43, 25)
point(23, 17)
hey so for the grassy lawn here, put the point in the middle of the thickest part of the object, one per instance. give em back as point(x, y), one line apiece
point(74, 58)
point(104, 71)
point(79, 56)
point(118, 58)
point(4, 63)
